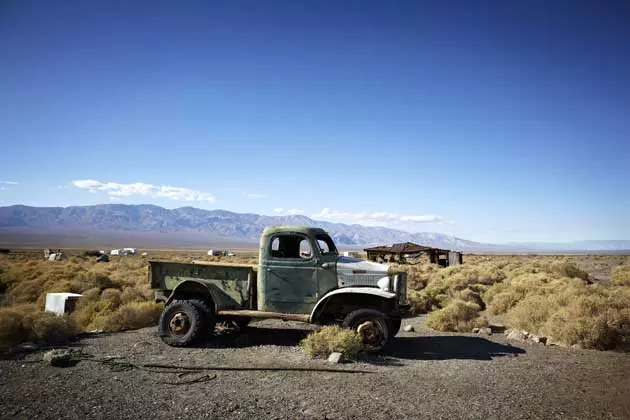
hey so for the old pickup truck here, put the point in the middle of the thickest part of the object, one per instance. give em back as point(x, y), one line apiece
point(300, 276)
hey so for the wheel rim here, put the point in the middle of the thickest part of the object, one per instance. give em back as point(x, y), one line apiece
point(179, 324)
point(371, 334)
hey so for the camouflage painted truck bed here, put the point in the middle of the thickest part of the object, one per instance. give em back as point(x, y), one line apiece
point(231, 286)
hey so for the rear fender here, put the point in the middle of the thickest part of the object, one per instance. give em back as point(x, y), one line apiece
point(193, 288)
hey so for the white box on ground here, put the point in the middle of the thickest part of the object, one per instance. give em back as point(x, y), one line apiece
point(61, 303)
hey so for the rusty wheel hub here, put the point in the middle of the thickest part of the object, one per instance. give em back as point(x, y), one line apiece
point(370, 333)
point(179, 324)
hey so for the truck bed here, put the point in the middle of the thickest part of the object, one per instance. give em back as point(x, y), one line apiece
point(232, 286)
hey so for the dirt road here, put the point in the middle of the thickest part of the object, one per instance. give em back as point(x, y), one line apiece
point(426, 375)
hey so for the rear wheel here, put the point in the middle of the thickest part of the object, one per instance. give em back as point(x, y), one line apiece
point(184, 322)
point(372, 326)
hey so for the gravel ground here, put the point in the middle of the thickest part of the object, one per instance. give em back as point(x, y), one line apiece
point(425, 375)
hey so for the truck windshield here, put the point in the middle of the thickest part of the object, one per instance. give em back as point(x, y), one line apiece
point(326, 245)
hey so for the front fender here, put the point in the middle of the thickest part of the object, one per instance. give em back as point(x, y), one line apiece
point(373, 291)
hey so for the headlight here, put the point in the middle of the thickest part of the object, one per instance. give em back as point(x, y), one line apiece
point(384, 284)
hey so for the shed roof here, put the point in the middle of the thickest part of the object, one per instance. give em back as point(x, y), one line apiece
point(403, 248)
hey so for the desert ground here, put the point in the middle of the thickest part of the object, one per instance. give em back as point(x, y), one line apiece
point(442, 370)
point(425, 375)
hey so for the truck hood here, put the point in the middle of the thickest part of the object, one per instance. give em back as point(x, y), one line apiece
point(357, 272)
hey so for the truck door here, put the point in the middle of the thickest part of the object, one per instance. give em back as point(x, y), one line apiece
point(289, 274)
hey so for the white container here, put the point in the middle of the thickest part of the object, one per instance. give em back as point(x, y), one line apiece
point(61, 303)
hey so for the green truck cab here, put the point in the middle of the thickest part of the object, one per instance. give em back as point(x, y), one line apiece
point(300, 276)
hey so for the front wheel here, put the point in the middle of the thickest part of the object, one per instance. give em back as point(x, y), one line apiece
point(371, 325)
point(394, 326)
point(184, 322)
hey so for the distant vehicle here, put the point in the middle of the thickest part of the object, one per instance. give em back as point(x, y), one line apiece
point(318, 287)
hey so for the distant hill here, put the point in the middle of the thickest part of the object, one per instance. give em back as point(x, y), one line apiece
point(189, 226)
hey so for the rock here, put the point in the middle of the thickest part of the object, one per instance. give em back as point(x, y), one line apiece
point(485, 330)
point(577, 346)
point(537, 339)
point(517, 335)
point(409, 328)
point(58, 357)
point(475, 330)
point(334, 357)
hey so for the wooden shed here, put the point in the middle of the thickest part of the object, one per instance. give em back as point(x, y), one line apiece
point(402, 252)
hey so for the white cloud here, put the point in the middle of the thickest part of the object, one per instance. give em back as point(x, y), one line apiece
point(115, 189)
point(252, 195)
point(9, 182)
point(291, 212)
point(374, 218)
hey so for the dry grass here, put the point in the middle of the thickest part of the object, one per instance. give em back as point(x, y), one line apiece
point(329, 339)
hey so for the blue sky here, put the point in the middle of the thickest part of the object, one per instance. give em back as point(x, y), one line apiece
point(493, 121)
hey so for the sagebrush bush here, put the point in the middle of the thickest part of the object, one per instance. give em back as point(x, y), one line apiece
point(115, 295)
point(592, 316)
point(621, 275)
point(27, 323)
point(130, 316)
point(332, 338)
point(458, 315)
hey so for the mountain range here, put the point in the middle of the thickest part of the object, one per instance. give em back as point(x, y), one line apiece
point(147, 225)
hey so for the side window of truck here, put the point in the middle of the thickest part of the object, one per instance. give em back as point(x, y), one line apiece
point(291, 246)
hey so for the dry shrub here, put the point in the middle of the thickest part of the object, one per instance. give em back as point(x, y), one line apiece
point(592, 316)
point(456, 282)
point(12, 329)
point(621, 275)
point(51, 328)
point(27, 323)
point(112, 297)
point(332, 338)
point(458, 315)
point(136, 294)
point(129, 317)
point(569, 269)
point(87, 311)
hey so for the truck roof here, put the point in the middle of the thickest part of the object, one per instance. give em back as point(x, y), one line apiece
point(270, 230)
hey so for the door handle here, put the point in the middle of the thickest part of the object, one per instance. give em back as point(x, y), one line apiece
point(327, 265)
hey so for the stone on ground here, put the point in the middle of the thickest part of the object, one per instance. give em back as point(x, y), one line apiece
point(334, 357)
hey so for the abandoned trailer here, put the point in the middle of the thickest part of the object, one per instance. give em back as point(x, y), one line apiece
point(402, 252)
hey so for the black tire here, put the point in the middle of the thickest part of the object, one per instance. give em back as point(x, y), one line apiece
point(184, 322)
point(394, 326)
point(209, 318)
point(372, 325)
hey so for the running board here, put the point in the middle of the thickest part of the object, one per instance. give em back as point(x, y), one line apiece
point(268, 315)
